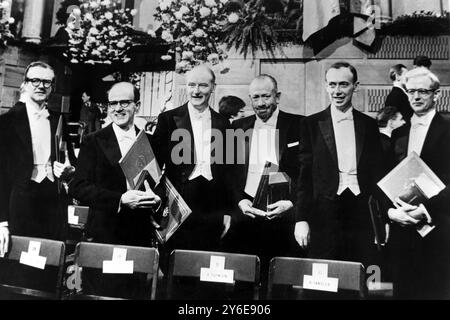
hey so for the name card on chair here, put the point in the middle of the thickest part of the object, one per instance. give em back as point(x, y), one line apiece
point(319, 279)
point(71, 217)
point(32, 257)
point(119, 263)
point(216, 271)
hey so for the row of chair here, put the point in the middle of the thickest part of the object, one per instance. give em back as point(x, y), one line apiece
point(191, 274)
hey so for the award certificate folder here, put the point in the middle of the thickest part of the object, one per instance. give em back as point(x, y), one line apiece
point(140, 161)
point(174, 214)
point(413, 182)
point(272, 187)
point(138, 165)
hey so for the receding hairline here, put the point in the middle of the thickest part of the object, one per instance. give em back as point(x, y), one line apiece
point(123, 84)
point(202, 68)
point(265, 78)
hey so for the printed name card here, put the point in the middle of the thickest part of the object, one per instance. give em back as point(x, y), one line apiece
point(119, 263)
point(32, 257)
point(319, 279)
point(216, 271)
point(72, 218)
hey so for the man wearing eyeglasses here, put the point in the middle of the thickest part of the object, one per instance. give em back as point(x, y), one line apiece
point(31, 202)
point(422, 263)
point(118, 214)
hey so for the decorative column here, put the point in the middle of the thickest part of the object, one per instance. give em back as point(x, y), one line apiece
point(385, 10)
point(32, 20)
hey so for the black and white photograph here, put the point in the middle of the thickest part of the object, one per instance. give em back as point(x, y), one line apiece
point(225, 155)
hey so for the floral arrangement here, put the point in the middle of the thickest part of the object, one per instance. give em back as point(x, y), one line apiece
point(194, 27)
point(5, 22)
point(425, 23)
point(100, 31)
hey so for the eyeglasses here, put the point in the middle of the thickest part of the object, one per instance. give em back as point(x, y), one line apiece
point(421, 92)
point(123, 103)
point(36, 82)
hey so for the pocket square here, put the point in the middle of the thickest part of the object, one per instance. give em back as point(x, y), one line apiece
point(293, 144)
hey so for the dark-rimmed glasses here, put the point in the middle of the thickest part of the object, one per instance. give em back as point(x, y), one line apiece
point(36, 82)
point(123, 103)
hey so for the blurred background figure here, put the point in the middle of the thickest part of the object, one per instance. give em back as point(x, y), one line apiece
point(232, 107)
point(422, 61)
point(90, 114)
point(398, 97)
point(388, 119)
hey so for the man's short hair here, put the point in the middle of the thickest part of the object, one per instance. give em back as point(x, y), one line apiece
point(265, 76)
point(230, 106)
point(396, 71)
point(385, 114)
point(136, 92)
point(344, 64)
point(422, 61)
point(39, 64)
point(423, 72)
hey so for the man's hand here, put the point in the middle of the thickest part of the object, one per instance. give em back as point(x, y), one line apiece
point(420, 214)
point(278, 208)
point(4, 241)
point(226, 225)
point(246, 208)
point(301, 233)
point(400, 216)
point(136, 199)
point(63, 170)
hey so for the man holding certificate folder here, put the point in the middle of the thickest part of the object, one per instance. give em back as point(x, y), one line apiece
point(118, 214)
point(422, 260)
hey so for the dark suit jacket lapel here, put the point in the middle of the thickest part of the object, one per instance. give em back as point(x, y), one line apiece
point(110, 147)
point(326, 128)
point(360, 134)
point(54, 118)
point(248, 127)
point(281, 132)
point(433, 135)
point(22, 128)
point(183, 121)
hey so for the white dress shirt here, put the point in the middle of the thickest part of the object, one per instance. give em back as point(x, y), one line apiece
point(419, 130)
point(344, 133)
point(125, 140)
point(201, 128)
point(262, 149)
point(41, 141)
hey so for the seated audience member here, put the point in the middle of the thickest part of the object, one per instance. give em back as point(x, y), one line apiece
point(232, 107)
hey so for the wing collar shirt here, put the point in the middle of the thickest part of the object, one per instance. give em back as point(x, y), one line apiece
point(344, 133)
point(41, 141)
point(125, 140)
point(201, 128)
point(262, 149)
point(418, 132)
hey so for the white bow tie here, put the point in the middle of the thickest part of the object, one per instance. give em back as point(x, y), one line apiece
point(41, 114)
point(126, 136)
point(350, 117)
point(417, 122)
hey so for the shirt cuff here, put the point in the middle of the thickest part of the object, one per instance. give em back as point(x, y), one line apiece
point(4, 224)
